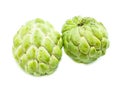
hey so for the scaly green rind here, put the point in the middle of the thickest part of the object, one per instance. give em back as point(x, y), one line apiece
point(37, 47)
point(84, 39)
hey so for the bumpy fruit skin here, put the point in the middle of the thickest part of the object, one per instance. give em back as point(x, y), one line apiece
point(84, 39)
point(37, 47)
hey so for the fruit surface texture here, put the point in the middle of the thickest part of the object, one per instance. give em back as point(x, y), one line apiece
point(37, 47)
point(84, 39)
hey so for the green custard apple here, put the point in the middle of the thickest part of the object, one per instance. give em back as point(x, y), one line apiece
point(84, 39)
point(37, 47)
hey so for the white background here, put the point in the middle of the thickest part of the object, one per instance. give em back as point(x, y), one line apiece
point(102, 74)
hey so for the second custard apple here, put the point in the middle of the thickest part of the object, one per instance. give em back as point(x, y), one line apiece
point(84, 39)
point(37, 47)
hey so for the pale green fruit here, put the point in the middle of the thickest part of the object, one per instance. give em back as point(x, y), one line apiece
point(37, 47)
point(84, 39)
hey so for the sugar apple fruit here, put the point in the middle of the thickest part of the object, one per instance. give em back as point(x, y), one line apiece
point(84, 39)
point(37, 47)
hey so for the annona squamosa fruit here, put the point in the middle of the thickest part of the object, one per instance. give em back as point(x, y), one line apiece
point(37, 47)
point(84, 39)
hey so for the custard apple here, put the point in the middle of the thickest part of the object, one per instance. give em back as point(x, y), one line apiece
point(84, 39)
point(37, 47)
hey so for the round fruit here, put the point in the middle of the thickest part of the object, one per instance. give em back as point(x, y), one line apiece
point(37, 47)
point(84, 39)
